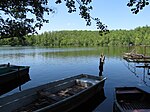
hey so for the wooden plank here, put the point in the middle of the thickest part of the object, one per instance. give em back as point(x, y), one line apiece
point(35, 89)
point(127, 91)
point(55, 91)
point(12, 105)
point(143, 66)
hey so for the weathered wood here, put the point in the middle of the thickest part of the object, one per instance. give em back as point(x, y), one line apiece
point(9, 73)
point(54, 96)
point(12, 76)
point(138, 58)
point(129, 99)
point(143, 66)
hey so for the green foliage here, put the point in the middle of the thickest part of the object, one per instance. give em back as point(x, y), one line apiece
point(19, 18)
point(84, 8)
point(138, 36)
point(137, 5)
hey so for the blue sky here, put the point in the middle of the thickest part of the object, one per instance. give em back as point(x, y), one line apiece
point(114, 13)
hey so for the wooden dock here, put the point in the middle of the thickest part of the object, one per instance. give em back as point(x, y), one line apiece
point(133, 56)
point(138, 58)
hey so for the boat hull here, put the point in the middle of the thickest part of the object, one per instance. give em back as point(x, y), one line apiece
point(64, 105)
point(130, 99)
point(13, 73)
point(12, 77)
point(73, 102)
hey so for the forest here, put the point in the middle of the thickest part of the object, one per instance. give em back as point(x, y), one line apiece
point(84, 38)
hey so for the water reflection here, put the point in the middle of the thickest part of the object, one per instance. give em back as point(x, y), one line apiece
point(140, 71)
point(49, 64)
point(109, 51)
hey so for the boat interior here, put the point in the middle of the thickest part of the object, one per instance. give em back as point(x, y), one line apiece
point(133, 99)
point(52, 95)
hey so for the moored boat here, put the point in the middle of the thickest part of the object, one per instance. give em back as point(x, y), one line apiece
point(131, 99)
point(12, 76)
point(12, 72)
point(57, 96)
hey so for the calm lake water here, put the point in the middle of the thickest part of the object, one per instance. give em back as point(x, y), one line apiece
point(48, 64)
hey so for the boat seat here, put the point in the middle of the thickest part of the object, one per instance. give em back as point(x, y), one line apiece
point(45, 95)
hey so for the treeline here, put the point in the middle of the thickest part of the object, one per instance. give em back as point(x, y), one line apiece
point(138, 36)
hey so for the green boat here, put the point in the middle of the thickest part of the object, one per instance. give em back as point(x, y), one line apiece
point(12, 76)
point(58, 96)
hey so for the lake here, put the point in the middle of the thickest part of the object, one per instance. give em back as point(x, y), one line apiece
point(48, 64)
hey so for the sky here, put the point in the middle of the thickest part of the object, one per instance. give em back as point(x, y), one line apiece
point(113, 13)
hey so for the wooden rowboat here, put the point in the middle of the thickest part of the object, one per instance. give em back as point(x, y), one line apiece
point(12, 72)
point(11, 76)
point(131, 99)
point(59, 96)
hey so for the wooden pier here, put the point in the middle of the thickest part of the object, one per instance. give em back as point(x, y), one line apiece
point(138, 58)
point(133, 56)
point(142, 59)
point(135, 60)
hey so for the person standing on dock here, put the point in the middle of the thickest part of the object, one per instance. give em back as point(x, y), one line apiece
point(101, 64)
